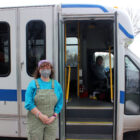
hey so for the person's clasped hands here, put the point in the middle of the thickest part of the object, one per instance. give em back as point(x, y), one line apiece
point(45, 119)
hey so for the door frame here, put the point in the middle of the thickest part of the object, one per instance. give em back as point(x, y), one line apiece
point(74, 17)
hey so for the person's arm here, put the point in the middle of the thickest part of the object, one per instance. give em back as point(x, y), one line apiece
point(29, 96)
point(59, 105)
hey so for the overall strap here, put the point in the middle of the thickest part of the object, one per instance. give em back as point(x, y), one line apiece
point(37, 84)
point(52, 84)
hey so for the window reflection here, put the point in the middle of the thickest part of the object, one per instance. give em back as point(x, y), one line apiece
point(72, 51)
point(35, 44)
point(4, 49)
point(105, 56)
point(132, 88)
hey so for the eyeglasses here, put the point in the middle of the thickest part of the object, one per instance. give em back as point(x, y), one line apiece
point(47, 65)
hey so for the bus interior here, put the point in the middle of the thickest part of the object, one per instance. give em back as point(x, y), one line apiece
point(88, 84)
point(85, 41)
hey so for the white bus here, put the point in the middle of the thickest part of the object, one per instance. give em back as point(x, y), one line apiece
point(71, 36)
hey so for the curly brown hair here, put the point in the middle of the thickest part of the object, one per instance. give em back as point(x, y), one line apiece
point(37, 73)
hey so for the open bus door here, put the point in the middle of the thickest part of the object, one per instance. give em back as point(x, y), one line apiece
point(71, 126)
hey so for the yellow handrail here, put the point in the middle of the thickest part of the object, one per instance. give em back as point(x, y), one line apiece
point(68, 84)
point(65, 79)
point(111, 83)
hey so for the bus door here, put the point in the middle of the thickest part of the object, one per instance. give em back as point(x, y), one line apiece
point(8, 73)
point(74, 34)
point(36, 35)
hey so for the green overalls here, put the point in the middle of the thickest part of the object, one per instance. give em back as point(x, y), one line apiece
point(45, 101)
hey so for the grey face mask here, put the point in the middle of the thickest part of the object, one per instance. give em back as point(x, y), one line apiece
point(45, 73)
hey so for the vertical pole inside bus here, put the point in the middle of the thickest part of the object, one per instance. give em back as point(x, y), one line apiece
point(73, 71)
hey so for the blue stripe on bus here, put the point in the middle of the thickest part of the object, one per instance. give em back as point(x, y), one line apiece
point(125, 32)
point(23, 95)
point(122, 97)
point(84, 6)
point(10, 95)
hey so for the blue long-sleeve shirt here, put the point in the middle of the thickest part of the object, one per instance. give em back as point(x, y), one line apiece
point(31, 92)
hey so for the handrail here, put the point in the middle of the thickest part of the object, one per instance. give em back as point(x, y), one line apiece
point(68, 84)
point(111, 83)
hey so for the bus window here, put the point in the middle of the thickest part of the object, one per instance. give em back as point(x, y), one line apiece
point(72, 51)
point(105, 56)
point(4, 49)
point(35, 44)
point(132, 88)
point(98, 72)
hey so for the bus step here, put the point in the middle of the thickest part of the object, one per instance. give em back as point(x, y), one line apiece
point(86, 128)
point(89, 112)
point(88, 136)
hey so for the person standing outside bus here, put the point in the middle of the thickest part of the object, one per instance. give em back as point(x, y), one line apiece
point(44, 101)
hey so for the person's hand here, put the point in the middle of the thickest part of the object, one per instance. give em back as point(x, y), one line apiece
point(50, 120)
point(43, 118)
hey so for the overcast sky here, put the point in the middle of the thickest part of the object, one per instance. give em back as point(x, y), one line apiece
point(132, 3)
point(135, 47)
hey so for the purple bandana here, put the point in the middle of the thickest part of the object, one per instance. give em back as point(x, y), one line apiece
point(42, 61)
